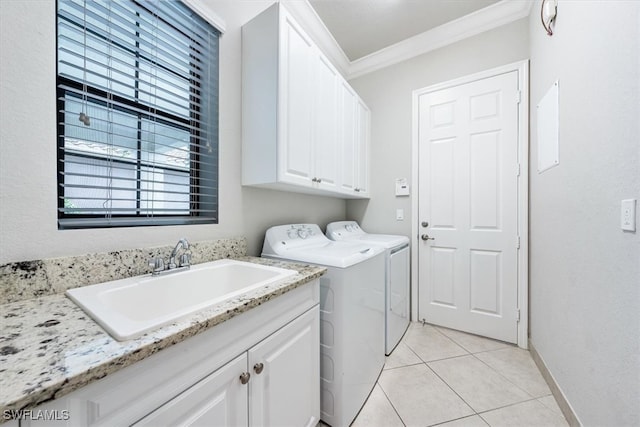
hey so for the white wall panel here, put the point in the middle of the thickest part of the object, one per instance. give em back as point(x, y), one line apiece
point(584, 270)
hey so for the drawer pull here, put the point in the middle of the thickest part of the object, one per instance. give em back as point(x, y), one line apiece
point(244, 377)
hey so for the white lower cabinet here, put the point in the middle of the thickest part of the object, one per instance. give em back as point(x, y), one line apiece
point(261, 368)
point(275, 383)
point(218, 400)
point(284, 388)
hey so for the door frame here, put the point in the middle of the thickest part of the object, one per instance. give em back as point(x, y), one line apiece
point(522, 67)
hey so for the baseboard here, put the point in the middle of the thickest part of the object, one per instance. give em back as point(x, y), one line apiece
point(561, 400)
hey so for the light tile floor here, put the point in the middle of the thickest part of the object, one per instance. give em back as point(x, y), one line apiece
point(438, 376)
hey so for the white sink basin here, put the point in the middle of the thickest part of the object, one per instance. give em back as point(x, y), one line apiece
point(130, 307)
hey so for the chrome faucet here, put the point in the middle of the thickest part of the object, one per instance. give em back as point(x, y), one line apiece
point(184, 260)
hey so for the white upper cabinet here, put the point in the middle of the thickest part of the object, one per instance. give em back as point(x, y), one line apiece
point(363, 136)
point(354, 134)
point(348, 146)
point(293, 113)
point(326, 125)
point(297, 68)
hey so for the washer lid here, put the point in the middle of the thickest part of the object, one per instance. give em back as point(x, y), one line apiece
point(330, 254)
point(351, 231)
point(306, 243)
point(387, 241)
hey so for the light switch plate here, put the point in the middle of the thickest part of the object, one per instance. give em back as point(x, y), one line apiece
point(402, 187)
point(399, 214)
point(628, 215)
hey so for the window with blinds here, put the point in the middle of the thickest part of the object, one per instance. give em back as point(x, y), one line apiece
point(137, 114)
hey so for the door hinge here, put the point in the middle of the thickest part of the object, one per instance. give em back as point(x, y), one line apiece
point(518, 315)
point(518, 96)
point(518, 242)
point(518, 171)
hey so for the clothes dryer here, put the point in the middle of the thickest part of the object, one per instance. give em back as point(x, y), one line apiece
point(351, 314)
point(397, 274)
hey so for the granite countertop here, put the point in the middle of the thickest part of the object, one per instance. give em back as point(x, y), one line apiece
point(50, 347)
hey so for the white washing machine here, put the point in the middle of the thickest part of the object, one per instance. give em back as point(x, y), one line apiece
point(396, 275)
point(351, 314)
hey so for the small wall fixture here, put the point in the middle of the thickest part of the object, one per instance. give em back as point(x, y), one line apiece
point(548, 13)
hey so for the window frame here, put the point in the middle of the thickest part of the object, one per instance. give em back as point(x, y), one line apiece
point(142, 111)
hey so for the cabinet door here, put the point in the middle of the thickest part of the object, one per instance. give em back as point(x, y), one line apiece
point(326, 124)
point(347, 134)
point(295, 92)
point(362, 144)
point(218, 400)
point(286, 392)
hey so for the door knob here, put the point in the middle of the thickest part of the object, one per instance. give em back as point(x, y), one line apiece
point(426, 237)
point(258, 367)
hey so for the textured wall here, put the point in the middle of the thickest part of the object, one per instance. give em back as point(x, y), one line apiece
point(584, 270)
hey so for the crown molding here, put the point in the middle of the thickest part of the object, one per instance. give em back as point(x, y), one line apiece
point(491, 17)
point(205, 12)
point(496, 15)
point(306, 15)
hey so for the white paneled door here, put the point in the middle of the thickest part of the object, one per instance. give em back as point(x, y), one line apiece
point(468, 207)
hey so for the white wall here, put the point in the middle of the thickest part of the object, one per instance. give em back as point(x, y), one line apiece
point(585, 271)
point(388, 93)
point(28, 221)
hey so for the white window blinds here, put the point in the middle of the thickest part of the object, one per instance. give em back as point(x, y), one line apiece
point(137, 114)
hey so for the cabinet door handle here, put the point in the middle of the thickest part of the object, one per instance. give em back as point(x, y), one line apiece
point(314, 179)
point(258, 367)
point(244, 377)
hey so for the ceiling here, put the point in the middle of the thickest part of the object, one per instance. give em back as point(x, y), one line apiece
point(362, 27)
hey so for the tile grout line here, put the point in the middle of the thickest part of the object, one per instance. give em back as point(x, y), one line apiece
point(390, 402)
point(452, 340)
point(403, 366)
point(492, 369)
point(507, 406)
point(508, 345)
point(442, 379)
point(505, 378)
point(461, 418)
point(451, 388)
